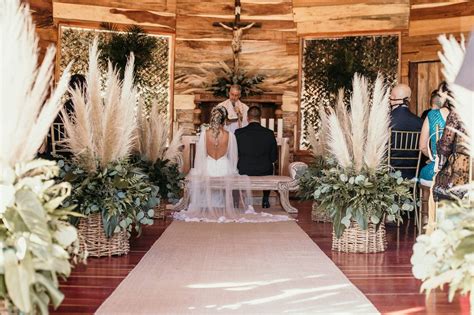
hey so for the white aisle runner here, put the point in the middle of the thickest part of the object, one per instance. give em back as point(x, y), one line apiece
point(252, 268)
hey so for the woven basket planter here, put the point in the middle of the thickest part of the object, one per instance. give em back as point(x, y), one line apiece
point(92, 238)
point(319, 214)
point(160, 210)
point(356, 240)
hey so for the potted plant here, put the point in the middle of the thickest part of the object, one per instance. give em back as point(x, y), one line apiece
point(160, 161)
point(358, 190)
point(321, 159)
point(37, 242)
point(111, 192)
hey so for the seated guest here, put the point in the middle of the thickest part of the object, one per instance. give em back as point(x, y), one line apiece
point(403, 120)
point(257, 148)
point(435, 121)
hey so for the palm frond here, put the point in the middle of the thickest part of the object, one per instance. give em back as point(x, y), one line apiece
point(378, 126)
point(25, 113)
point(337, 143)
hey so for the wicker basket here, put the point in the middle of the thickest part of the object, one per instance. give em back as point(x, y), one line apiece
point(355, 240)
point(93, 239)
point(319, 214)
point(160, 210)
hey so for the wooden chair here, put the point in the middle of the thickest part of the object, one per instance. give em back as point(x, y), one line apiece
point(407, 142)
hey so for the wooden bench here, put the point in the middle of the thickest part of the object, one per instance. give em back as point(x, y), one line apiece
point(282, 184)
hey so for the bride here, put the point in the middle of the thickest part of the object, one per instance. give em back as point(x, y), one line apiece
point(217, 192)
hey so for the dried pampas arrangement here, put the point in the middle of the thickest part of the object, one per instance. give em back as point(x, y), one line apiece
point(26, 113)
point(153, 133)
point(452, 58)
point(359, 138)
point(102, 128)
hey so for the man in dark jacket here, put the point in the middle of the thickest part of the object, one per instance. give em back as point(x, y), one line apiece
point(257, 149)
point(403, 120)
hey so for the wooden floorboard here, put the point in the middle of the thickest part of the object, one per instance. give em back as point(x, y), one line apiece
point(385, 278)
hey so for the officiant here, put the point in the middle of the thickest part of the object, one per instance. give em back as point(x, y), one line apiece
point(236, 110)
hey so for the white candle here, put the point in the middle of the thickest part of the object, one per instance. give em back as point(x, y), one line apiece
point(280, 128)
point(271, 124)
point(263, 122)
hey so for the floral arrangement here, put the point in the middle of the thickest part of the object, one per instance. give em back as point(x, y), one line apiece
point(101, 134)
point(159, 160)
point(120, 192)
point(364, 196)
point(248, 84)
point(356, 183)
point(36, 240)
point(446, 256)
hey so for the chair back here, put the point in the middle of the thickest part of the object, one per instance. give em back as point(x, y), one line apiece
point(407, 142)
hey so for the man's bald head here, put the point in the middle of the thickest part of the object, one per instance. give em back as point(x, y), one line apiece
point(400, 93)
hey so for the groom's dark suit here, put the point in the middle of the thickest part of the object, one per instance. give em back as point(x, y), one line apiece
point(257, 151)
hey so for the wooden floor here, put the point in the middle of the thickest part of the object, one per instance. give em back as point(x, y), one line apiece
point(385, 278)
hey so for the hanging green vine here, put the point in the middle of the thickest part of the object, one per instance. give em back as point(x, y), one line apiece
point(330, 64)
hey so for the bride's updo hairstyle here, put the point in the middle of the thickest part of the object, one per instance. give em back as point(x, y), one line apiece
point(218, 117)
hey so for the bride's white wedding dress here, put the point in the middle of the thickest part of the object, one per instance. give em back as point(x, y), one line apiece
point(217, 192)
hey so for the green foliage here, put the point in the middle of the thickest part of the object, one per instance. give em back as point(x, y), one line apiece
point(308, 181)
point(364, 197)
point(36, 240)
point(248, 85)
point(330, 64)
point(447, 254)
point(152, 78)
point(165, 175)
point(118, 46)
point(121, 193)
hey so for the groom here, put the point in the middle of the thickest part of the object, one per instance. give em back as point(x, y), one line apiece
point(257, 149)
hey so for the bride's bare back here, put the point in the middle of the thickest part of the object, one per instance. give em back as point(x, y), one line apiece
point(217, 149)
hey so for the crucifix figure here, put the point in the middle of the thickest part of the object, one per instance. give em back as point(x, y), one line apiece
point(237, 29)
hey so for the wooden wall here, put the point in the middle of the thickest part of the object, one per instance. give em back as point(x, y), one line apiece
point(428, 19)
point(271, 50)
point(42, 12)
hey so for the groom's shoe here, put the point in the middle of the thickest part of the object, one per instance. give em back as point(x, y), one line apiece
point(265, 204)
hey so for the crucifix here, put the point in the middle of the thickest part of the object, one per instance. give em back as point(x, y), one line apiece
point(237, 29)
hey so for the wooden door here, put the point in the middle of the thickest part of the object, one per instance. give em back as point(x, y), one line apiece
point(424, 78)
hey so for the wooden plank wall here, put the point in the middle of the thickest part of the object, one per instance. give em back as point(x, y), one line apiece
point(326, 17)
point(271, 50)
point(428, 19)
point(42, 12)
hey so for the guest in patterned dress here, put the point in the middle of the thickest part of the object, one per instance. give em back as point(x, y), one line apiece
point(453, 157)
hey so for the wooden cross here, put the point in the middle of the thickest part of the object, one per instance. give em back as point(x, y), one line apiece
point(237, 29)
